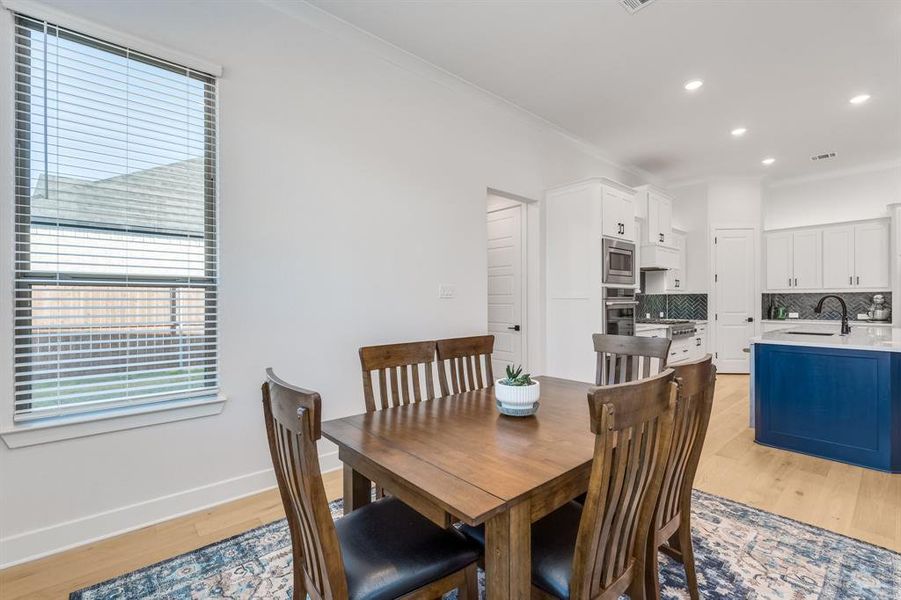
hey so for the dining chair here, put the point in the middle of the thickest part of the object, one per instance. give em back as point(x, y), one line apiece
point(398, 365)
point(671, 527)
point(622, 358)
point(381, 551)
point(468, 362)
point(597, 550)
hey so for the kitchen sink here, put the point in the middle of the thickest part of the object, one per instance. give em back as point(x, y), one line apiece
point(808, 333)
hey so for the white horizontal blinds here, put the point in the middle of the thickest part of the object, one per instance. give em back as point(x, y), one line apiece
point(115, 253)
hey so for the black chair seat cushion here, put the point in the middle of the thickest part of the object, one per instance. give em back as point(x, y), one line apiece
point(553, 546)
point(389, 549)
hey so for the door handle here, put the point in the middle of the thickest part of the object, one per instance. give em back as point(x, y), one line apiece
point(858, 280)
point(750, 319)
point(789, 282)
point(796, 282)
point(514, 327)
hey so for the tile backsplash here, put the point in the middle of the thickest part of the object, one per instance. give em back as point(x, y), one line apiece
point(803, 304)
point(673, 306)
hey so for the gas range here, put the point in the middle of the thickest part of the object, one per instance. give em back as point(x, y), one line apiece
point(678, 328)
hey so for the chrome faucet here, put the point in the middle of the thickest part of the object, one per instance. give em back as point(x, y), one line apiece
point(846, 329)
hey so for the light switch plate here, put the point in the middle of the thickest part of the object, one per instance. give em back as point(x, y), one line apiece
point(446, 291)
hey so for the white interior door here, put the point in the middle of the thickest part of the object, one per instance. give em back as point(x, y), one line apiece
point(734, 298)
point(505, 286)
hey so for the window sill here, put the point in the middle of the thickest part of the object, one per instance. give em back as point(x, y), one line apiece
point(55, 429)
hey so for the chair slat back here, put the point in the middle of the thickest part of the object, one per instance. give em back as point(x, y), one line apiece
point(633, 425)
point(696, 383)
point(402, 374)
point(464, 364)
point(293, 425)
point(623, 358)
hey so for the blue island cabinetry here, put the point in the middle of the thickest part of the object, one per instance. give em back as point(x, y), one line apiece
point(835, 402)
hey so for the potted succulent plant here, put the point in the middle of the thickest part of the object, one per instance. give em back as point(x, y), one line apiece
point(517, 394)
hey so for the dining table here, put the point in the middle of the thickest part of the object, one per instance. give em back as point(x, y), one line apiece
point(456, 458)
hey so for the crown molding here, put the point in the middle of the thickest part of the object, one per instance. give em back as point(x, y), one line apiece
point(836, 173)
point(366, 41)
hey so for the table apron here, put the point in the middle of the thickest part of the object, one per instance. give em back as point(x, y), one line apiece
point(396, 487)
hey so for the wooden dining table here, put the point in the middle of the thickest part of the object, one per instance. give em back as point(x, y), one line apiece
point(457, 458)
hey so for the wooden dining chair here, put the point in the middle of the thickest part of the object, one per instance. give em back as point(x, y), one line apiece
point(597, 550)
point(382, 550)
point(671, 528)
point(622, 358)
point(397, 368)
point(468, 362)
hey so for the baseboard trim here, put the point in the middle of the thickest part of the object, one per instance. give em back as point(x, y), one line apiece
point(38, 543)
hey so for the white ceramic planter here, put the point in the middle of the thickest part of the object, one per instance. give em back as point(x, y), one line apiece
point(517, 396)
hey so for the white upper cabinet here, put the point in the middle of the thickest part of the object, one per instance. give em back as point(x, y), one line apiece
point(794, 260)
point(618, 213)
point(659, 211)
point(807, 255)
point(840, 257)
point(779, 272)
point(871, 255)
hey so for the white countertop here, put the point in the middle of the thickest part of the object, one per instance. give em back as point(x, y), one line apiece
point(886, 339)
point(836, 323)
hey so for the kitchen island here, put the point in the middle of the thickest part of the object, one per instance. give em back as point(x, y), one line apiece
point(834, 396)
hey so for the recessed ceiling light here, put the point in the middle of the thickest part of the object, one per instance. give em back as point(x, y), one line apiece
point(739, 131)
point(860, 99)
point(768, 161)
point(693, 84)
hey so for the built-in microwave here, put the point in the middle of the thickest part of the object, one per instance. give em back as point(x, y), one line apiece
point(619, 262)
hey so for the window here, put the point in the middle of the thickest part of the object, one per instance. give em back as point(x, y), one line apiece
point(115, 240)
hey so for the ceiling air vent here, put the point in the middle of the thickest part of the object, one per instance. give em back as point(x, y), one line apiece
point(634, 6)
point(825, 156)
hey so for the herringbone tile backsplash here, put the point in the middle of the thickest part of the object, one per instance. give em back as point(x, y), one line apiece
point(803, 304)
point(673, 306)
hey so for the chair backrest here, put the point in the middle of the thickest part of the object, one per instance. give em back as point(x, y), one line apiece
point(696, 383)
point(293, 425)
point(622, 358)
point(400, 364)
point(633, 424)
point(469, 361)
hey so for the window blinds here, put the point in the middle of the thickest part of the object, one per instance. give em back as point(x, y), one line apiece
point(115, 242)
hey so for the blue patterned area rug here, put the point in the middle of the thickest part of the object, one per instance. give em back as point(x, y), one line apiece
point(741, 553)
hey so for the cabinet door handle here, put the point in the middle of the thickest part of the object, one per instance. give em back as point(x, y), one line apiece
point(789, 282)
point(661, 236)
point(858, 280)
point(796, 282)
point(850, 280)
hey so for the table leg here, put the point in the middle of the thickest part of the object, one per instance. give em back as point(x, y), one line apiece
point(508, 553)
point(357, 490)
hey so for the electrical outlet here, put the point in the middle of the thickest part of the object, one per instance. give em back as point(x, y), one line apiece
point(863, 317)
point(661, 314)
point(446, 291)
point(792, 315)
point(647, 315)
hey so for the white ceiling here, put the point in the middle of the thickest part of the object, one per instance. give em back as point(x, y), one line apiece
point(783, 69)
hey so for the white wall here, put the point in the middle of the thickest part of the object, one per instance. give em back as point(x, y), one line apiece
point(353, 182)
point(690, 215)
point(840, 197)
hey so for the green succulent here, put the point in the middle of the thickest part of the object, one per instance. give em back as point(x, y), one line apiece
point(516, 377)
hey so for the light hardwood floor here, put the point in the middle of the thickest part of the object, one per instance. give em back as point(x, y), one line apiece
point(857, 502)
